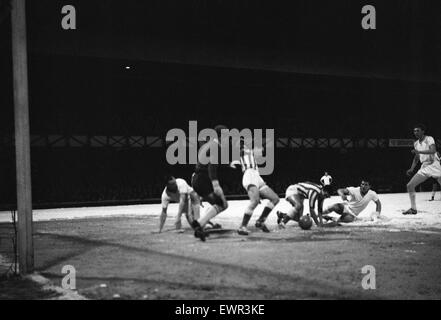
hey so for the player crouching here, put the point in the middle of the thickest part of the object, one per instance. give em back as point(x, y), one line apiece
point(178, 191)
point(355, 201)
point(206, 183)
point(296, 194)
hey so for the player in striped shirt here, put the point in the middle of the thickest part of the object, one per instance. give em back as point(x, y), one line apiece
point(255, 187)
point(296, 194)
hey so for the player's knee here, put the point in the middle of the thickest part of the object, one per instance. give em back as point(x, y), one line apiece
point(275, 200)
point(223, 204)
point(253, 204)
point(337, 208)
point(410, 187)
point(347, 218)
point(340, 208)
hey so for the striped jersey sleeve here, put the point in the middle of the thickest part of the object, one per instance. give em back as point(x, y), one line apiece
point(247, 160)
point(311, 191)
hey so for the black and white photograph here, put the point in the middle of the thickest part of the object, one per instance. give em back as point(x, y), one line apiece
point(221, 155)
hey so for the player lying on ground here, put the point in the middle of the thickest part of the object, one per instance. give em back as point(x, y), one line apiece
point(296, 194)
point(255, 187)
point(206, 183)
point(178, 191)
point(355, 201)
point(425, 152)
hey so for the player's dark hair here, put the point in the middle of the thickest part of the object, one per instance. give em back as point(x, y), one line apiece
point(167, 178)
point(420, 126)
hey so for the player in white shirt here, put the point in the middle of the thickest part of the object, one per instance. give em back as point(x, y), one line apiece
point(255, 187)
point(425, 152)
point(178, 191)
point(326, 182)
point(355, 201)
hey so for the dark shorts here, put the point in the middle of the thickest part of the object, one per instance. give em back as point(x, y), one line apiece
point(328, 189)
point(203, 186)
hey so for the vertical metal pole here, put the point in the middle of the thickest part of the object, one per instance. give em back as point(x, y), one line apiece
point(22, 138)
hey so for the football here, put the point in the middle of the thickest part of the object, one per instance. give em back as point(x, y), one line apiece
point(305, 222)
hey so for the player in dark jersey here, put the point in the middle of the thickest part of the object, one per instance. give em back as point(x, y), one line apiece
point(296, 194)
point(205, 182)
point(256, 189)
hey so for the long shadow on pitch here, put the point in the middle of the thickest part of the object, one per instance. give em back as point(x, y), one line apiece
point(294, 239)
point(244, 271)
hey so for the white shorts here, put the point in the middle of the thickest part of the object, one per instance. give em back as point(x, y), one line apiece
point(252, 177)
point(292, 190)
point(432, 170)
point(348, 210)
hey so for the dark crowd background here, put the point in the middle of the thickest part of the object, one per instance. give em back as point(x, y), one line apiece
point(144, 67)
point(81, 175)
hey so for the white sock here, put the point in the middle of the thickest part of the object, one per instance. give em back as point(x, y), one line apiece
point(412, 197)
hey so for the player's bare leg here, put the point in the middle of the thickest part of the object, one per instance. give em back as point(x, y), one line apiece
point(219, 204)
point(337, 208)
point(294, 213)
point(253, 194)
point(162, 219)
point(195, 206)
point(195, 210)
point(439, 182)
point(434, 188)
point(416, 180)
point(178, 223)
point(267, 193)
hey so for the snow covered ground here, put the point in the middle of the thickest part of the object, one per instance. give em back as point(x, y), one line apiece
point(429, 216)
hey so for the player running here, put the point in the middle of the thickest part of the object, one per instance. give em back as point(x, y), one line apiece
point(355, 201)
point(178, 191)
point(255, 187)
point(296, 194)
point(206, 183)
point(425, 152)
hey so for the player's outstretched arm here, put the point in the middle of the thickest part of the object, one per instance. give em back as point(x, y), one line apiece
point(378, 204)
point(235, 164)
point(182, 201)
point(314, 217)
point(375, 215)
point(320, 210)
point(162, 218)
